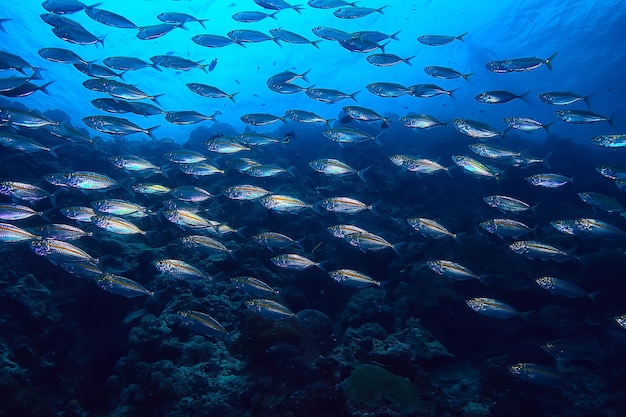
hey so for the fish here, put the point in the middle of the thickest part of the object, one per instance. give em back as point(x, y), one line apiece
point(10, 233)
point(621, 320)
point(261, 119)
point(475, 167)
point(179, 18)
point(205, 243)
point(359, 45)
point(266, 171)
point(353, 278)
point(601, 201)
point(582, 117)
point(430, 228)
point(417, 165)
point(156, 31)
point(548, 180)
point(364, 114)
point(439, 40)
point(59, 251)
point(329, 4)
point(61, 55)
point(210, 91)
point(335, 167)
point(184, 156)
point(274, 240)
point(214, 41)
point(597, 228)
point(243, 36)
point(86, 270)
point(537, 250)
point(295, 262)
point(88, 180)
point(78, 36)
point(283, 203)
point(150, 189)
point(564, 98)
point(367, 241)
point(428, 91)
point(117, 126)
point(180, 270)
point(191, 193)
point(331, 34)
point(65, 6)
point(348, 135)
point(120, 285)
point(269, 309)
point(330, 96)
point(526, 124)
point(97, 71)
point(564, 226)
point(116, 225)
point(189, 117)
point(118, 90)
point(250, 17)
point(253, 286)
point(342, 230)
point(452, 270)
point(286, 36)
point(24, 144)
point(573, 350)
point(128, 63)
point(445, 73)
point(506, 228)
point(188, 219)
point(78, 213)
point(201, 323)
point(356, 12)
point(245, 192)
point(507, 204)
point(345, 205)
point(200, 169)
point(499, 97)
point(134, 165)
point(109, 18)
point(24, 118)
point(610, 141)
point(520, 64)
point(12, 212)
point(59, 231)
point(387, 90)
point(538, 374)
point(420, 121)
point(493, 308)
point(225, 145)
point(612, 171)
point(493, 151)
point(23, 191)
point(562, 287)
point(387, 60)
point(474, 129)
point(305, 116)
point(119, 207)
point(177, 62)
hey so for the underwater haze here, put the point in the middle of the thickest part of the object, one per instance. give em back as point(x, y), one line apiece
point(334, 208)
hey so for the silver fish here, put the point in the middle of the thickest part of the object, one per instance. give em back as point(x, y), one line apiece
point(520, 64)
point(59, 251)
point(582, 117)
point(475, 129)
point(439, 40)
point(506, 227)
point(61, 232)
point(269, 309)
point(356, 12)
point(179, 18)
point(475, 167)
point(253, 286)
point(601, 201)
point(610, 141)
point(445, 73)
point(538, 374)
point(563, 98)
point(210, 91)
point(499, 96)
point(427, 91)
point(345, 205)
point(11, 212)
point(127, 63)
point(386, 89)
point(420, 121)
point(548, 180)
point(353, 278)
point(326, 95)
point(119, 285)
point(387, 60)
point(537, 250)
point(430, 228)
point(283, 203)
point(177, 269)
point(245, 192)
point(156, 31)
point(493, 308)
point(116, 225)
point(507, 204)
point(451, 270)
point(273, 240)
point(10, 234)
point(201, 323)
point(559, 286)
point(249, 17)
point(109, 18)
point(286, 36)
point(191, 193)
point(23, 191)
point(295, 262)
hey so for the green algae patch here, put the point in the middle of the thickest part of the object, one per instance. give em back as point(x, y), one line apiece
point(372, 388)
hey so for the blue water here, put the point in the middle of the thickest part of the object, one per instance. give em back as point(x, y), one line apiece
point(69, 348)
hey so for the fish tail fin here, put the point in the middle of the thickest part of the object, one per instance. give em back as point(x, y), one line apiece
point(549, 60)
point(44, 89)
point(466, 76)
point(587, 99)
point(372, 208)
point(353, 97)
point(36, 75)
point(304, 74)
point(451, 93)
point(273, 15)
point(327, 122)
point(525, 315)
point(594, 295)
point(100, 41)
point(155, 99)
point(314, 43)
point(121, 75)
point(408, 60)
point(52, 152)
point(290, 171)
point(382, 47)
point(205, 68)
point(461, 36)
point(610, 119)
point(361, 175)
point(298, 8)
point(545, 159)
point(232, 96)
point(380, 9)
point(546, 127)
point(201, 21)
point(524, 97)
point(397, 246)
point(277, 42)
point(149, 132)
point(156, 67)
point(321, 265)
point(393, 36)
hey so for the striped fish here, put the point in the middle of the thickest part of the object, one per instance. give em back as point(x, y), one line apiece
point(493, 308)
point(10, 234)
point(59, 251)
point(119, 285)
point(253, 286)
point(269, 309)
point(353, 278)
point(201, 323)
point(179, 270)
point(117, 225)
